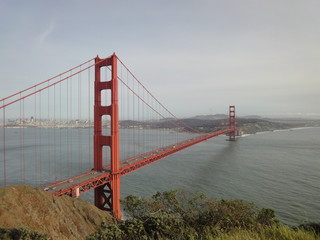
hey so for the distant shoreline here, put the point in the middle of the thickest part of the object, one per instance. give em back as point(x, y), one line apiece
point(278, 130)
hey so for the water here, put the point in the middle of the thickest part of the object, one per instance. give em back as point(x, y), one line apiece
point(278, 170)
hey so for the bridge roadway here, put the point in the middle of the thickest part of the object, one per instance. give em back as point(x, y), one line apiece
point(76, 185)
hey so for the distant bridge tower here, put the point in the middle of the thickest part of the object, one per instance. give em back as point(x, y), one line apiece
point(232, 123)
point(107, 196)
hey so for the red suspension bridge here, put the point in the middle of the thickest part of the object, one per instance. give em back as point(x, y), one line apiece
point(47, 132)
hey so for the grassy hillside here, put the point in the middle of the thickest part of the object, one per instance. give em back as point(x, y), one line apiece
point(251, 126)
point(28, 213)
point(57, 217)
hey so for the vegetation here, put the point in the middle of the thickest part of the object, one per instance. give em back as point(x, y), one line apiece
point(279, 232)
point(20, 234)
point(180, 215)
point(248, 125)
point(314, 227)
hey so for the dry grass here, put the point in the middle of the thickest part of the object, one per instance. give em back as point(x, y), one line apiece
point(280, 232)
point(57, 217)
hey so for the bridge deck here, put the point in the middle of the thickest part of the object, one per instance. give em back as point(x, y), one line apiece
point(82, 183)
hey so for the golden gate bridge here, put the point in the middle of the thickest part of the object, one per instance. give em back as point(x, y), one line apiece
point(86, 127)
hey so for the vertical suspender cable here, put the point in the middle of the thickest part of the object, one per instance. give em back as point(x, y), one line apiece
point(35, 119)
point(67, 130)
point(137, 136)
point(79, 122)
point(48, 135)
point(20, 137)
point(23, 144)
point(158, 132)
point(143, 119)
point(4, 145)
point(133, 123)
point(89, 121)
point(122, 145)
point(128, 115)
point(71, 128)
point(54, 135)
point(60, 131)
point(40, 140)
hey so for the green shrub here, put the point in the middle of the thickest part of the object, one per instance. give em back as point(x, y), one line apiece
point(229, 214)
point(180, 215)
point(276, 232)
point(266, 217)
point(20, 234)
point(313, 227)
point(132, 228)
point(107, 232)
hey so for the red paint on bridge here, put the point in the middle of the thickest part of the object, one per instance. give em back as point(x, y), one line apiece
point(105, 180)
point(85, 182)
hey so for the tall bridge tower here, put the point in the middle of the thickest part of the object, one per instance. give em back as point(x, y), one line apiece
point(107, 196)
point(232, 123)
point(62, 161)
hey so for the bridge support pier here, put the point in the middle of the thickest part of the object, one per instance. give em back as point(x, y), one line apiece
point(232, 123)
point(107, 196)
point(102, 197)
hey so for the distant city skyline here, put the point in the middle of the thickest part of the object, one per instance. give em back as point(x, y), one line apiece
point(196, 57)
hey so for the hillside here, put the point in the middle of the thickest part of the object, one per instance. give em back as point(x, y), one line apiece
point(168, 215)
point(251, 126)
point(57, 217)
point(210, 123)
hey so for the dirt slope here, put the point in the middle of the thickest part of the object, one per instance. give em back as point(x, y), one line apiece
point(57, 217)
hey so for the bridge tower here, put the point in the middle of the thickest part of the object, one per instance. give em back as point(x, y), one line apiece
point(232, 123)
point(107, 196)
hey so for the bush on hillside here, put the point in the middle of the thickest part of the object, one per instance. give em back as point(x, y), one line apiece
point(180, 215)
point(20, 234)
point(313, 227)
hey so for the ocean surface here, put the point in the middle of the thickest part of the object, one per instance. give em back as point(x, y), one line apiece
point(278, 170)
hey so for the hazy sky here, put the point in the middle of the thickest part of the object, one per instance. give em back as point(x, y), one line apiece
point(196, 56)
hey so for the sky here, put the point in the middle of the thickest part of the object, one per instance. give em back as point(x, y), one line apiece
point(197, 57)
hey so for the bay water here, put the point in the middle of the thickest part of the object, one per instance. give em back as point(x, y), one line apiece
point(278, 170)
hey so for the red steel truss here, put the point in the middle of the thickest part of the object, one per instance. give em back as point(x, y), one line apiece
point(95, 179)
point(107, 199)
point(105, 180)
